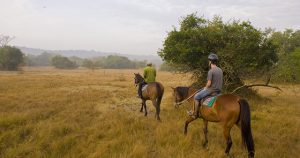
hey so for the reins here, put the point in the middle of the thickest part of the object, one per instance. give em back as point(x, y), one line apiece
point(188, 97)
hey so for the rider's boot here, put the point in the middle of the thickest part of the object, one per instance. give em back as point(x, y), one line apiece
point(196, 111)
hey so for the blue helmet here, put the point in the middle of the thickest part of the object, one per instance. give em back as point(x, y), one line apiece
point(213, 56)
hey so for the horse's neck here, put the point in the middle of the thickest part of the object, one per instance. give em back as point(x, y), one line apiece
point(190, 92)
point(143, 83)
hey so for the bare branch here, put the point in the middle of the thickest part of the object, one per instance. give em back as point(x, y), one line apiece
point(4, 40)
point(256, 85)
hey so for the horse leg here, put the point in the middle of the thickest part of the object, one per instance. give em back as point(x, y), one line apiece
point(189, 120)
point(205, 131)
point(157, 109)
point(227, 136)
point(145, 107)
point(142, 106)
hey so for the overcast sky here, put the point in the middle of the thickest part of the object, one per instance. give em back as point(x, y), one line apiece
point(127, 26)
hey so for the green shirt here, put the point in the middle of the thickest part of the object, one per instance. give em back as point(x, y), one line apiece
point(149, 74)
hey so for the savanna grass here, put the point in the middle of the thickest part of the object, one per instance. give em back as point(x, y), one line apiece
point(82, 113)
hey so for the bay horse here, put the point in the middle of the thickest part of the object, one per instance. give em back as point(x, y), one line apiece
point(154, 92)
point(228, 109)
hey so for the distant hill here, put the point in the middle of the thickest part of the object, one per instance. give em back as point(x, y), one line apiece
point(90, 54)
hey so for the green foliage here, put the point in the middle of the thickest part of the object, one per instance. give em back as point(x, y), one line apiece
point(165, 66)
point(10, 58)
point(114, 61)
point(88, 64)
point(120, 62)
point(109, 62)
point(77, 60)
point(43, 59)
point(63, 63)
point(287, 41)
point(243, 50)
point(288, 69)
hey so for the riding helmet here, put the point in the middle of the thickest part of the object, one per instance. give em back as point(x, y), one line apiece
point(213, 56)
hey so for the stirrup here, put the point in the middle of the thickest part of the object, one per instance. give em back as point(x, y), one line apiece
point(190, 112)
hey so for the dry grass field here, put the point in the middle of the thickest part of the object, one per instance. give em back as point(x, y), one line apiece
point(89, 114)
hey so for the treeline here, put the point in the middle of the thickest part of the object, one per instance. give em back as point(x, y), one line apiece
point(61, 62)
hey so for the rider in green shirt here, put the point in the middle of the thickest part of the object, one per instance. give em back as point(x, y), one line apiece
point(149, 73)
point(149, 76)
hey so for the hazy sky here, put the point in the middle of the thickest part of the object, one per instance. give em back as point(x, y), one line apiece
point(126, 26)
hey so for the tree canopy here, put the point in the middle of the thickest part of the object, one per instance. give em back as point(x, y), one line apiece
point(63, 62)
point(242, 49)
point(10, 58)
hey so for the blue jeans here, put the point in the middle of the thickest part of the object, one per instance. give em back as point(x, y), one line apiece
point(203, 93)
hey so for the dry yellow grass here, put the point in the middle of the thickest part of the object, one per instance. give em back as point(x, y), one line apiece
point(82, 113)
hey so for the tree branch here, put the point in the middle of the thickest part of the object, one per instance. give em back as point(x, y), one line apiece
point(256, 85)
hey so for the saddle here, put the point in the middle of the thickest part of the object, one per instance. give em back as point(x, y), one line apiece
point(210, 99)
point(142, 87)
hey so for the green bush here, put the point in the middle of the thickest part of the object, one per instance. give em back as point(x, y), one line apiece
point(63, 63)
point(288, 69)
point(10, 58)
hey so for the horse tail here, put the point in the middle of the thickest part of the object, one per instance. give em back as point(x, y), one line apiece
point(160, 94)
point(246, 126)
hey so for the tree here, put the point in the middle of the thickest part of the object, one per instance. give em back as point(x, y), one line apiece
point(63, 63)
point(117, 62)
point(286, 41)
point(244, 51)
point(4, 40)
point(10, 58)
point(43, 59)
point(288, 68)
point(165, 66)
point(88, 64)
point(288, 47)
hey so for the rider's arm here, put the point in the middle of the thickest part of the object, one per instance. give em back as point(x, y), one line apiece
point(145, 73)
point(209, 78)
point(208, 84)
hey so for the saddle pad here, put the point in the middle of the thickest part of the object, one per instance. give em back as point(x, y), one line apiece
point(209, 101)
point(144, 87)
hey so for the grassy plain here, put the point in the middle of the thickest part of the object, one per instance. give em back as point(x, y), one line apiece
point(82, 113)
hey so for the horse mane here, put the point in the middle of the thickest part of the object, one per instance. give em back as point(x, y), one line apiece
point(140, 77)
point(183, 91)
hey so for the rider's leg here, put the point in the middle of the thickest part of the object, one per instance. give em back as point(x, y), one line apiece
point(197, 106)
point(140, 91)
point(197, 99)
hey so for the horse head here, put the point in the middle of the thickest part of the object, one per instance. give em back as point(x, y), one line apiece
point(138, 79)
point(178, 96)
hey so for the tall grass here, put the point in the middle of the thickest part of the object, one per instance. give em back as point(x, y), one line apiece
point(83, 113)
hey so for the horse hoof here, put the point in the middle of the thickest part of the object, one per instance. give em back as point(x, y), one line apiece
point(205, 145)
point(185, 133)
point(229, 156)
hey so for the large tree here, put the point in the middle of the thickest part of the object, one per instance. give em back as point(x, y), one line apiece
point(10, 58)
point(243, 50)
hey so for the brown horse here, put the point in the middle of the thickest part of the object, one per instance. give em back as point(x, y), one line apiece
point(228, 109)
point(154, 92)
